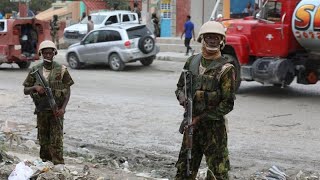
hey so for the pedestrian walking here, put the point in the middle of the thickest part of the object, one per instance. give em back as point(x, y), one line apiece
point(213, 94)
point(189, 33)
point(49, 119)
point(55, 27)
point(90, 24)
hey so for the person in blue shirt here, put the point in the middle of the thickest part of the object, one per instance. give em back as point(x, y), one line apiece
point(189, 33)
point(1, 16)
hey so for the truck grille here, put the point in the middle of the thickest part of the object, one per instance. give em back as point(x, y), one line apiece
point(72, 35)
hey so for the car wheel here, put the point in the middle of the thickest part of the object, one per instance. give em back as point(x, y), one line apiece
point(73, 61)
point(115, 62)
point(236, 64)
point(24, 65)
point(146, 44)
point(147, 61)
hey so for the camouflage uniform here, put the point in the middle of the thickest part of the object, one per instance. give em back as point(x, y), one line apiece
point(55, 26)
point(50, 129)
point(213, 98)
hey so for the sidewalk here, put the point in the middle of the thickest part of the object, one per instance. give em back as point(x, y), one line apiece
point(172, 56)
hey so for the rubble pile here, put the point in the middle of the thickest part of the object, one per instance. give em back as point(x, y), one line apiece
point(274, 173)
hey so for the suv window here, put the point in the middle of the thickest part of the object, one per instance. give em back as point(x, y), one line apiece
point(92, 38)
point(113, 19)
point(125, 18)
point(97, 19)
point(138, 31)
point(114, 36)
point(108, 35)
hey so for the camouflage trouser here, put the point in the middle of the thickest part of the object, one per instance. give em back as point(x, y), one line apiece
point(55, 38)
point(210, 139)
point(50, 135)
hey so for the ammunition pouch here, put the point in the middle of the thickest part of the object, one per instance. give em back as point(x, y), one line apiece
point(59, 92)
point(205, 100)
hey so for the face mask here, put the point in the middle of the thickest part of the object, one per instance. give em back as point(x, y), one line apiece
point(213, 49)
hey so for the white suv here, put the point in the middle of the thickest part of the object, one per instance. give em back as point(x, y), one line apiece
point(114, 45)
point(76, 32)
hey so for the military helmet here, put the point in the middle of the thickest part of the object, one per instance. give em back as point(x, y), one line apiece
point(47, 44)
point(211, 27)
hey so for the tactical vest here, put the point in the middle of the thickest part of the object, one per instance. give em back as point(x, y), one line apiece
point(59, 90)
point(206, 87)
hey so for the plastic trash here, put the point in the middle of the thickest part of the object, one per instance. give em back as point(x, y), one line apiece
point(21, 172)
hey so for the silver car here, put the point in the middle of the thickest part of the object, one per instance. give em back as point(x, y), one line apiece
point(114, 45)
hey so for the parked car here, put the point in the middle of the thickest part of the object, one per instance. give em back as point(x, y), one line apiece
point(114, 45)
point(76, 32)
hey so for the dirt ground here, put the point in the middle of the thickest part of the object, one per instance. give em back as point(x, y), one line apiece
point(133, 116)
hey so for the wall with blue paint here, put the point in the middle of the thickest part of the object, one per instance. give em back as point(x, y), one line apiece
point(82, 8)
point(165, 28)
point(237, 6)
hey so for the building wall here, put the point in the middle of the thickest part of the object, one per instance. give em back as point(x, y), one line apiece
point(201, 11)
point(182, 11)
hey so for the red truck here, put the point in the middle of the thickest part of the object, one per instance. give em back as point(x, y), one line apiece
point(20, 38)
point(280, 43)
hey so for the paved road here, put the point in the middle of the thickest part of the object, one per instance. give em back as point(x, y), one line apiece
point(135, 112)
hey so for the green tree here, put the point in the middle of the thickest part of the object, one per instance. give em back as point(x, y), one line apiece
point(35, 5)
point(40, 5)
point(118, 4)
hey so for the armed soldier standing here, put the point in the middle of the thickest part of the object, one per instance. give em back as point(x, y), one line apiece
point(55, 26)
point(50, 111)
point(213, 89)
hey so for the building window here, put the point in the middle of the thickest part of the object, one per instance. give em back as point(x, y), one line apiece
point(165, 10)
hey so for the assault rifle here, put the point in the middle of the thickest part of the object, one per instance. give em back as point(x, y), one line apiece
point(47, 90)
point(187, 116)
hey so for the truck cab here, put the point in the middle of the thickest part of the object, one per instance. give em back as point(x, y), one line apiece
point(265, 48)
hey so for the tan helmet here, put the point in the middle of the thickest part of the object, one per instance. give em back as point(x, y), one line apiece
point(211, 27)
point(47, 44)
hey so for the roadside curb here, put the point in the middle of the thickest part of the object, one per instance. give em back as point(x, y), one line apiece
point(171, 58)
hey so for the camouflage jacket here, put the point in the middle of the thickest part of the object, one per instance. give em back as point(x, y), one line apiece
point(214, 90)
point(59, 81)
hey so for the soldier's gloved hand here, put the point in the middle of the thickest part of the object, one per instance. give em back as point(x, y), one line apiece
point(39, 89)
point(59, 112)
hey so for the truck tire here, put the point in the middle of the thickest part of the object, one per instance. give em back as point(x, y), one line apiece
point(24, 65)
point(73, 61)
point(236, 64)
point(146, 44)
point(147, 61)
point(115, 62)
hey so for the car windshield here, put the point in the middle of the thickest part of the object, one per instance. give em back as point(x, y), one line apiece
point(137, 32)
point(97, 19)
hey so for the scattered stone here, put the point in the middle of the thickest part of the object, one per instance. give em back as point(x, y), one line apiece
point(122, 160)
point(30, 144)
point(114, 164)
point(80, 160)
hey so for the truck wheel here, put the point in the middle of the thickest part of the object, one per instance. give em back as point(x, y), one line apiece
point(115, 62)
point(73, 61)
point(147, 61)
point(24, 65)
point(236, 64)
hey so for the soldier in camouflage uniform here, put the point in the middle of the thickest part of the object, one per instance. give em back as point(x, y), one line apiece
point(49, 123)
point(213, 79)
point(55, 26)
